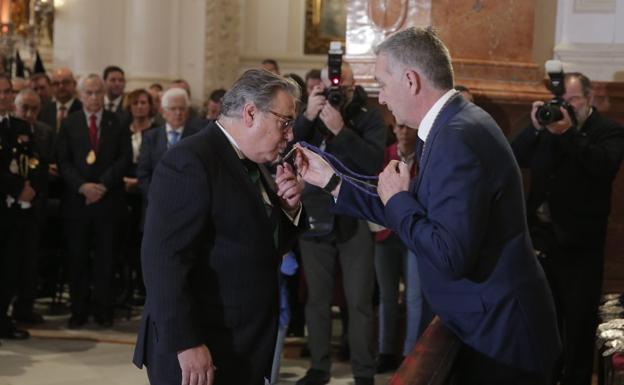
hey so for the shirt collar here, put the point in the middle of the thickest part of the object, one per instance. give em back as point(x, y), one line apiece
point(115, 101)
point(170, 129)
point(67, 105)
point(5, 116)
point(231, 140)
point(98, 116)
point(427, 123)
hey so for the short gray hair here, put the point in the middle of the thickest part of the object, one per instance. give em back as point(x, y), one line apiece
point(421, 49)
point(259, 87)
point(24, 93)
point(174, 93)
point(83, 81)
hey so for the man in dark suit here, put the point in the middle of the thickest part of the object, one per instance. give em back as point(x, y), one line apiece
point(462, 216)
point(27, 107)
point(214, 233)
point(573, 163)
point(115, 82)
point(354, 132)
point(94, 152)
point(19, 185)
point(64, 103)
point(157, 141)
point(42, 85)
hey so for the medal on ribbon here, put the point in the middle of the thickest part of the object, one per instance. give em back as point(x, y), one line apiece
point(91, 157)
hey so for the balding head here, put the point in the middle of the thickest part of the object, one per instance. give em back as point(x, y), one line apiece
point(63, 84)
point(27, 105)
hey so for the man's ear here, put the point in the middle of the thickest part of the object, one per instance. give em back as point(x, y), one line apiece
point(249, 113)
point(590, 97)
point(412, 80)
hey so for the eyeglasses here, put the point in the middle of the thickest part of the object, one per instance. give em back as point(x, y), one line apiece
point(64, 82)
point(285, 122)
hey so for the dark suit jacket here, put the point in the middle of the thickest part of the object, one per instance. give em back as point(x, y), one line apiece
point(44, 138)
point(153, 147)
point(359, 146)
point(112, 161)
point(10, 149)
point(573, 173)
point(210, 264)
point(464, 218)
point(48, 112)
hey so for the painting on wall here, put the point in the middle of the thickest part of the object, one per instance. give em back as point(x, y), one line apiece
point(326, 20)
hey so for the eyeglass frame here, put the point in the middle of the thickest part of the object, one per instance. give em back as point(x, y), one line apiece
point(286, 122)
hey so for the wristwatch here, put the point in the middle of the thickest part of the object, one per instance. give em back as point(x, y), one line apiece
point(332, 183)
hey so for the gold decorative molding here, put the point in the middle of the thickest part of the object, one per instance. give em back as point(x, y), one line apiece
point(325, 21)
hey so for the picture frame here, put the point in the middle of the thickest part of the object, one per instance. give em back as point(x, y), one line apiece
point(326, 20)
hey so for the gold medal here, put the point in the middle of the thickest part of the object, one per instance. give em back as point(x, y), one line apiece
point(91, 157)
point(13, 167)
point(33, 163)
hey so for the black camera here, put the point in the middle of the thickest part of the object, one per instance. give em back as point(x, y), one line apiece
point(335, 95)
point(550, 111)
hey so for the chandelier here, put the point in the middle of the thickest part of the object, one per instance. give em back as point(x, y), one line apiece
point(25, 25)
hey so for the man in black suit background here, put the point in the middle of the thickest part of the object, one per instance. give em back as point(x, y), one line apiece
point(65, 101)
point(94, 152)
point(42, 85)
point(115, 84)
point(19, 186)
point(573, 163)
point(27, 107)
point(156, 141)
point(215, 229)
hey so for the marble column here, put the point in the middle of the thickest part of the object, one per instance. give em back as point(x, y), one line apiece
point(221, 45)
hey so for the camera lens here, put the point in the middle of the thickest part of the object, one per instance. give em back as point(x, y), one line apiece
point(548, 113)
point(335, 97)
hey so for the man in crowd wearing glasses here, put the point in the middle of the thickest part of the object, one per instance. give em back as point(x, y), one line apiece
point(215, 228)
point(155, 142)
point(65, 101)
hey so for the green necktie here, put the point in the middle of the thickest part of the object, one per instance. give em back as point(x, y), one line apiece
point(253, 172)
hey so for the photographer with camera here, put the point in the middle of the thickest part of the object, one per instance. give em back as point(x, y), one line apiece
point(573, 154)
point(338, 120)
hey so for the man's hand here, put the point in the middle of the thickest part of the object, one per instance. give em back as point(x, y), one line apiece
point(196, 365)
point(536, 105)
point(393, 179)
point(561, 126)
point(27, 194)
point(289, 188)
point(53, 169)
point(131, 184)
point(332, 119)
point(316, 101)
point(93, 192)
point(312, 168)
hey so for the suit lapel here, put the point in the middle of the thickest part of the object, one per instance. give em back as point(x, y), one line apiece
point(83, 132)
point(161, 142)
point(105, 131)
point(238, 171)
point(450, 109)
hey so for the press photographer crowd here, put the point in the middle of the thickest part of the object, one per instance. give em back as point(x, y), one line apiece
point(235, 225)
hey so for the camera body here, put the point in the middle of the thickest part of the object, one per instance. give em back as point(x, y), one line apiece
point(550, 111)
point(335, 95)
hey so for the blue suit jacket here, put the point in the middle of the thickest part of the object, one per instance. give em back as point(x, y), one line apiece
point(153, 147)
point(464, 218)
